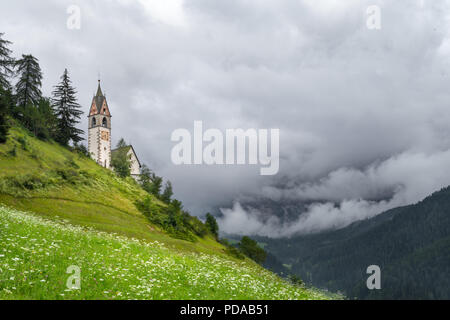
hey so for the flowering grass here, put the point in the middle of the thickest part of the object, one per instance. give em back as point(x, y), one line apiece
point(35, 254)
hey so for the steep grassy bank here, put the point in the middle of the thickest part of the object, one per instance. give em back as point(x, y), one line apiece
point(68, 211)
point(52, 181)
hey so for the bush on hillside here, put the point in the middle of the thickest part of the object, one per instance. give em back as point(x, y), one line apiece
point(252, 250)
point(231, 250)
point(172, 219)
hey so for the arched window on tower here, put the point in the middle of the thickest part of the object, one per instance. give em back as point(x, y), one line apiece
point(94, 122)
point(104, 122)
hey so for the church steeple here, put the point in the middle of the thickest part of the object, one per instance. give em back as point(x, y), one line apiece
point(99, 129)
point(99, 90)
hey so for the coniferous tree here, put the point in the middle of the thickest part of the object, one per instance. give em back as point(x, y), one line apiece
point(167, 193)
point(6, 63)
point(28, 87)
point(211, 224)
point(42, 119)
point(68, 111)
point(5, 102)
point(156, 185)
point(145, 178)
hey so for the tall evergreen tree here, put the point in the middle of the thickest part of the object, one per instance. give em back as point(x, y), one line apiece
point(5, 101)
point(6, 63)
point(145, 178)
point(156, 185)
point(68, 111)
point(167, 193)
point(211, 224)
point(44, 120)
point(28, 88)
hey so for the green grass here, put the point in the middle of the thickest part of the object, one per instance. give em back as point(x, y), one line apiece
point(93, 197)
point(70, 211)
point(36, 253)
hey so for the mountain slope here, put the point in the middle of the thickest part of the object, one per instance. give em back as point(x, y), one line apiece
point(70, 211)
point(410, 244)
point(50, 180)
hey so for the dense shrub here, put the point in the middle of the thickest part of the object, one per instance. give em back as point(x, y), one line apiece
point(172, 219)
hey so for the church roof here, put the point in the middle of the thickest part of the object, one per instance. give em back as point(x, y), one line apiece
point(97, 103)
point(99, 98)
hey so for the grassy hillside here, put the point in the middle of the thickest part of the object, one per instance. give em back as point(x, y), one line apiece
point(70, 211)
point(50, 180)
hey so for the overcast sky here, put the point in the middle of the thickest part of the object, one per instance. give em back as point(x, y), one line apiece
point(363, 114)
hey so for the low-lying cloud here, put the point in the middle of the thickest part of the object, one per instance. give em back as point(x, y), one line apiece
point(344, 196)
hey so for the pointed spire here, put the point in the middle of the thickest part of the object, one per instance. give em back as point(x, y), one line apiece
point(99, 90)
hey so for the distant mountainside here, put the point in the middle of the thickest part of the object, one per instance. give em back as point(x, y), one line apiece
point(411, 245)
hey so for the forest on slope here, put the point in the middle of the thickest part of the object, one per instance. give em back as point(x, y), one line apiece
point(410, 244)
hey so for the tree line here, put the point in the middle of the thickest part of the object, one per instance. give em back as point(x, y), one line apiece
point(21, 98)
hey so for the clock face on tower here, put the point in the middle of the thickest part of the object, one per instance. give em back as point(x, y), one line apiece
point(105, 135)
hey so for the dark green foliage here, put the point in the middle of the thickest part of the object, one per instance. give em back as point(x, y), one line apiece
point(5, 105)
point(68, 111)
point(172, 219)
point(28, 87)
point(231, 250)
point(145, 179)
point(410, 244)
point(273, 264)
point(166, 196)
point(295, 280)
point(156, 185)
point(252, 250)
point(6, 63)
point(6, 99)
point(120, 160)
point(150, 182)
point(46, 127)
point(212, 225)
point(39, 119)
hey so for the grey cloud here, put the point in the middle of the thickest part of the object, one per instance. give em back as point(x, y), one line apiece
point(348, 101)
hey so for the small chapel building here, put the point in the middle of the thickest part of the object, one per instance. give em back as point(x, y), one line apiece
point(99, 135)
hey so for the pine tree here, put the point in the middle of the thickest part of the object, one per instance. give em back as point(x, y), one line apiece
point(28, 88)
point(156, 185)
point(68, 111)
point(145, 178)
point(4, 107)
point(6, 63)
point(43, 120)
point(212, 225)
point(167, 193)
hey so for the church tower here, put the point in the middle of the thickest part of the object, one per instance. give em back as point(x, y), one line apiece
point(99, 130)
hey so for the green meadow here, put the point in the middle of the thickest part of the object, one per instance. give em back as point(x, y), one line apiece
point(59, 210)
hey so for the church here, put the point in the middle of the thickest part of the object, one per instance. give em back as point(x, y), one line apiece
point(99, 135)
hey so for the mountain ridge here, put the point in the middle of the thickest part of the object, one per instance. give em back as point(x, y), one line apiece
point(409, 243)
